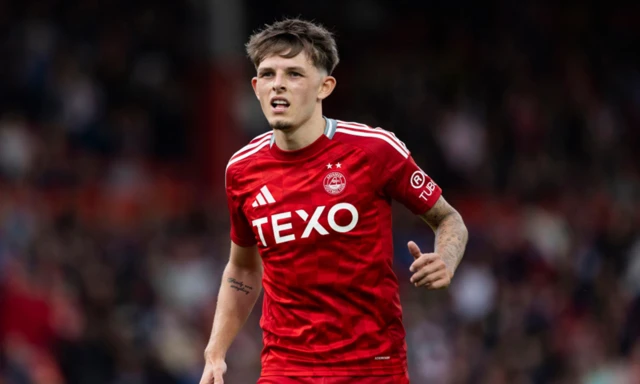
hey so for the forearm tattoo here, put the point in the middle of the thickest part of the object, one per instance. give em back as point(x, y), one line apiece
point(239, 286)
point(450, 232)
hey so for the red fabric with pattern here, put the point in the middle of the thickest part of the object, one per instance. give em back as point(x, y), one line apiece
point(321, 217)
point(395, 379)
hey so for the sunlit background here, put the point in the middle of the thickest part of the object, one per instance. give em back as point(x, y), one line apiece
point(117, 119)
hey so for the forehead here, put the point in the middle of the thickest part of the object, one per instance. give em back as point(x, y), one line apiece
point(278, 61)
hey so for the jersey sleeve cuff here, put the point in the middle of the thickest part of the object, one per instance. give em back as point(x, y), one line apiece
point(429, 203)
point(242, 242)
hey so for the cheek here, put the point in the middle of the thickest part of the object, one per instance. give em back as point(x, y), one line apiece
point(306, 97)
point(263, 96)
point(263, 90)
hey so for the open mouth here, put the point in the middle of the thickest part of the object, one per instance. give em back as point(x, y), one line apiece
point(279, 105)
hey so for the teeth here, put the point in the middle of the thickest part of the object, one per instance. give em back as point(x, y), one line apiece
point(281, 102)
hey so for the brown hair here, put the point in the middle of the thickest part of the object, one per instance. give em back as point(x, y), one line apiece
point(289, 37)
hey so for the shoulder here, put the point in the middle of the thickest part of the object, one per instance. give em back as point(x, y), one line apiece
point(376, 141)
point(245, 153)
point(242, 157)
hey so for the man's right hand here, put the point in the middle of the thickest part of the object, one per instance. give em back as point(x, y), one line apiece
point(213, 372)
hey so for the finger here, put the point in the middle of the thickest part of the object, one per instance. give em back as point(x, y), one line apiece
point(426, 281)
point(414, 250)
point(422, 261)
point(431, 279)
point(207, 378)
point(424, 270)
point(440, 284)
point(422, 274)
point(217, 376)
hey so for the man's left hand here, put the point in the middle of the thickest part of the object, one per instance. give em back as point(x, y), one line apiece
point(429, 270)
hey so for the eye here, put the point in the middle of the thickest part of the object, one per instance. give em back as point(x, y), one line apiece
point(295, 74)
point(266, 74)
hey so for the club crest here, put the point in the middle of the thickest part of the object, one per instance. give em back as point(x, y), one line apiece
point(334, 183)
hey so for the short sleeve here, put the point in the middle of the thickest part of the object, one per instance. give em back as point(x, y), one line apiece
point(401, 178)
point(411, 186)
point(241, 232)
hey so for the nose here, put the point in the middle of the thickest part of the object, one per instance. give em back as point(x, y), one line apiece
point(278, 82)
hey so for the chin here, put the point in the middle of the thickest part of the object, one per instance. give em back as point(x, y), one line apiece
point(280, 124)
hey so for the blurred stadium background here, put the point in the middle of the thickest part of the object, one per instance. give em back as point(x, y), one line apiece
point(117, 119)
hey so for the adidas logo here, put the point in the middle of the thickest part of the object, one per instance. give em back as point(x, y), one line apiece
point(263, 198)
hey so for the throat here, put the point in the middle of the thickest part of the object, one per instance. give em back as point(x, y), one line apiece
point(294, 138)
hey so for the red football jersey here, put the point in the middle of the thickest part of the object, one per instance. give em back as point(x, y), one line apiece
point(321, 217)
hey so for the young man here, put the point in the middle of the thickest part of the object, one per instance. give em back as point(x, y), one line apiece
point(310, 205)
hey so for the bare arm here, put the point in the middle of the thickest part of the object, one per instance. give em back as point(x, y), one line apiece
point(451, 233)
point(240, 288)
point(435, 270)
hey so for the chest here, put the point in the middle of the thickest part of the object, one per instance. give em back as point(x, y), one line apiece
point(308, 202)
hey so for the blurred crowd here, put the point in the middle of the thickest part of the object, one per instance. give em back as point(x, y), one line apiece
point(527, 115)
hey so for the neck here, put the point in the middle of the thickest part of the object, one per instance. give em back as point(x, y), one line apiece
point(301, 136)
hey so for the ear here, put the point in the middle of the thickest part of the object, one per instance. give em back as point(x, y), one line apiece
point(327, 86)
point(254, 84)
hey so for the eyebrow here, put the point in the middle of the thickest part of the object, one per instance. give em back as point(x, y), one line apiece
point(297, 69)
